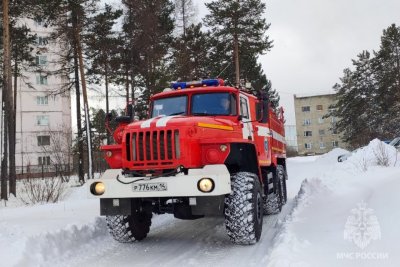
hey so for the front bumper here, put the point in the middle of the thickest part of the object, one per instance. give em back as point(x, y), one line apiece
point(180, 185)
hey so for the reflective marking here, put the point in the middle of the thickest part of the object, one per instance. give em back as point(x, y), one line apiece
point(146, 123)
point(278, 137)
point(263, 131)
point(163, 121)
point(215, 126)
point(264, 161)
point(278, 149)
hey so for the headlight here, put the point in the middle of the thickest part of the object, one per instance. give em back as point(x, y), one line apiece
point(206, 185)
point(97, 188)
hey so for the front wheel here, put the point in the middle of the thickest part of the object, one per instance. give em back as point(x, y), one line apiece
point(243, 209)
point(129, 228)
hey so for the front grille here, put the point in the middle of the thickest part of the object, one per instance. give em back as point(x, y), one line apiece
point(152, 148)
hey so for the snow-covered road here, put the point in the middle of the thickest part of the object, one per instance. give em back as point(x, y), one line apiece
point(310, 231)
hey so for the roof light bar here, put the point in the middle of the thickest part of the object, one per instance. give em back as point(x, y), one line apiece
point(192, 84)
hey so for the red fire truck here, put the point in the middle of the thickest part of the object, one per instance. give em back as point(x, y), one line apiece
point(206, 149)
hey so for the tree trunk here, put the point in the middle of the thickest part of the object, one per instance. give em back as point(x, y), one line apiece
point(7, 96)
point(127, 85)
point(85, 102)
point(81, 173)
point(13, 132)
point(107, 103)
point(4, 164)
point(184, 18)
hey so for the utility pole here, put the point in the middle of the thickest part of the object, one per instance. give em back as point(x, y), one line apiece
point(236, 55)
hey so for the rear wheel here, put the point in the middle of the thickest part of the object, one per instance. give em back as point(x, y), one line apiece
point(129, 228)
point(275, 191)
point(243, 209)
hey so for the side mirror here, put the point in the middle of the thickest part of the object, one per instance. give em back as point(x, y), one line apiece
point(109, 117)
point(129, 110)
point(265, 111)
point(259, 111)
point(123, 119)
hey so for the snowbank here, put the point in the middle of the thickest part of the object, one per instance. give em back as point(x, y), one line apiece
point(376, 153)
point(59, 246)
point(325, 226)
point(332, 155)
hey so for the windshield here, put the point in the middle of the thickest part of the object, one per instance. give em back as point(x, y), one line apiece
point(214, 104)
point(169, 106)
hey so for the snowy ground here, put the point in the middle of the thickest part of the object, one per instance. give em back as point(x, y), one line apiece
point(338, 214)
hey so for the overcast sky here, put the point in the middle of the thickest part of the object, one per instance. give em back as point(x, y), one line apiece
point(314, 40)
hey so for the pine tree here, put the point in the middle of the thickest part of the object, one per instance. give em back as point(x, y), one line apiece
point(102, 43)
point(388, 79)
point(356, 108)
point(190, 54)
point(69, 18)
point(238, 26)
point(368, 103)
point(184, 15)
point(147, 30)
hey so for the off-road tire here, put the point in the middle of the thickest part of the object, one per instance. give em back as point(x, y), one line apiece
point(273, 202)
point(243, 209)
point(129, 228)
point(281, 172)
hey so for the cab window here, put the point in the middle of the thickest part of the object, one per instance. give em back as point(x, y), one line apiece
point(169, 106)
point(213, 104)
point(244, 109)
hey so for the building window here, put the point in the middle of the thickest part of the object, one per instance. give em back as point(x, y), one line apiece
point(42, 100)
point(320, 120)
point(42, 120)
point(321, 145)
point(43, 140)
point(307, 133)
point(334, 130)
point(44, 160)
point(308, 145)
point(41, 60)
point(307, 122)
point(41, 80)
point(41, 41)
point(335, 144)
point(305, 109)
point(321, 132)
point(319, 107)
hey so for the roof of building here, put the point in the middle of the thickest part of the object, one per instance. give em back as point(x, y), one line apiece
point(313, 95)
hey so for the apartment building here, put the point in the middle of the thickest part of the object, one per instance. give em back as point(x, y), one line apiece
point(315, 134)
point(43, 119)
point(291, 137)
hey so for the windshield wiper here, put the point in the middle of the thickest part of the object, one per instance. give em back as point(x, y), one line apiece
point(176, 113)
point(201, 114)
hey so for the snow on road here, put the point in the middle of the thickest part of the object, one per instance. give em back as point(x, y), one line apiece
point(313, 229)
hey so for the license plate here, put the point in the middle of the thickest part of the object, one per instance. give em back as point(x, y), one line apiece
point(149, 187)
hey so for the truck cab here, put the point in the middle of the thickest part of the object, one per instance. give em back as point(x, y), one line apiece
point(202, 151)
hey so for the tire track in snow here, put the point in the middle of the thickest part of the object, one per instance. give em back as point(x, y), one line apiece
point(173, 242)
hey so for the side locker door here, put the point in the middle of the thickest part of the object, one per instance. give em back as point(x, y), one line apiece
point(246, 117)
